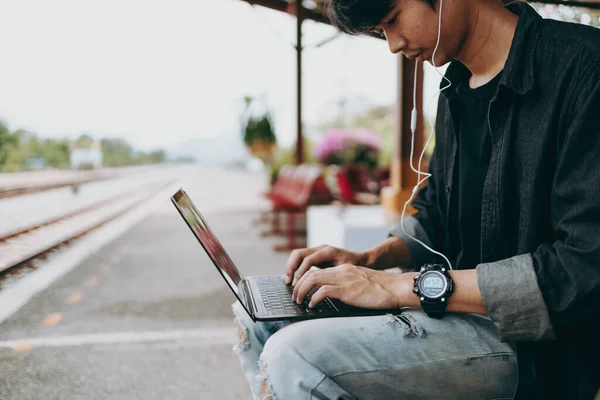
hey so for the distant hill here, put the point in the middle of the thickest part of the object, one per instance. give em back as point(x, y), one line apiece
point(225, 149)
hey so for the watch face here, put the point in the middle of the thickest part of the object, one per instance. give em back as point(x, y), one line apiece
point(433, 284)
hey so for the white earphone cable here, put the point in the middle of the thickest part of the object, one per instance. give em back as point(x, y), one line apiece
point(413, 128)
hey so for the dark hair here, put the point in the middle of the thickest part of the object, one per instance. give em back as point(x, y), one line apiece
point(361, 16)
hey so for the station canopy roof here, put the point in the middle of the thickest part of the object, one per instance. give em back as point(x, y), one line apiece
point(313, 9)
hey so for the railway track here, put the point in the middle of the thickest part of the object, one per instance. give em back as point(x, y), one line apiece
point(6, 193)
point(22, 247)
point(23, 183)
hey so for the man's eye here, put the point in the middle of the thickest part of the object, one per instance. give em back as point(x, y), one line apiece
point(393, 20)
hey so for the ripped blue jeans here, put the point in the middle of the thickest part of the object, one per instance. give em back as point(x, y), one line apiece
point(404, 356)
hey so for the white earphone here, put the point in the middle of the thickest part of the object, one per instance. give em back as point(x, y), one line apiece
point(413, 128)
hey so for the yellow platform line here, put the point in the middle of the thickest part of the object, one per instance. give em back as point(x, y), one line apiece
point(75, 298)
point(21, 347)
point(91, 281)
point(52, 319)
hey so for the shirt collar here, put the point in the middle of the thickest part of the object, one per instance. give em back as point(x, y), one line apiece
point(518, 74)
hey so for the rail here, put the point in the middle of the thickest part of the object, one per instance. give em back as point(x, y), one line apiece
point(21, 183)
point(24, 245)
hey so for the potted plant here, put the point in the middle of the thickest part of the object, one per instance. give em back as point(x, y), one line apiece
point(349, 147)
point(351, 157)
point(259, 135)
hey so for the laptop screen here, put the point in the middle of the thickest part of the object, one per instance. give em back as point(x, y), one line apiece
point(207, 239)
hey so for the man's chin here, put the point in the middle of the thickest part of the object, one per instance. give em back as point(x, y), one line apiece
point(440, 61)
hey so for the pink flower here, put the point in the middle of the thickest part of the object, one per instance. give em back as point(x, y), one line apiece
point(337, 143)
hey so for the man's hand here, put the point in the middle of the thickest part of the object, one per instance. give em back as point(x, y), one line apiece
point(301, 260)
point(356, 286)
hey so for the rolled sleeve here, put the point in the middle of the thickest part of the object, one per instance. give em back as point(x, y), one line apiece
point(513, 299)
point(419, 254)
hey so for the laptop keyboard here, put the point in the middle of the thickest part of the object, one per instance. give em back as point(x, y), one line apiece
point(277, 298)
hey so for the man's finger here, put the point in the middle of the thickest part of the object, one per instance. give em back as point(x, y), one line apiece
point(330, 291)
point(295, 259)
point(300, 290)
point(311, 279)
point(324, 254)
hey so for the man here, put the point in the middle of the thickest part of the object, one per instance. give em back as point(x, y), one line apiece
point(513, 203)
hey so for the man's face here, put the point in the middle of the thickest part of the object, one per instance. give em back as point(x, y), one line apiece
point(412, 29)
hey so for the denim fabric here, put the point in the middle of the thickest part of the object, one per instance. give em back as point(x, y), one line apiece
point(409, 356)
point(540, 216)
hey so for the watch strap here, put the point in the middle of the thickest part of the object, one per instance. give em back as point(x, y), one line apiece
point(434, 310)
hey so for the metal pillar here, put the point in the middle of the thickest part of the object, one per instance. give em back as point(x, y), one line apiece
point(409, 177)
point(299, 140)
point(402, 177)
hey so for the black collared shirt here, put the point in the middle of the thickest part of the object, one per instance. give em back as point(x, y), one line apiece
point(540, 203)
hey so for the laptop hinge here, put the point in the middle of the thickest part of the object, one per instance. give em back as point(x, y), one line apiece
point(247, 296)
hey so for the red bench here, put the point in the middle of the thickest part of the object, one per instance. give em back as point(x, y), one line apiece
point(295, 188)
point(351, 185)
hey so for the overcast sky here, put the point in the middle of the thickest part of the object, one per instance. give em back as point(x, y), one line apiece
point(159, 72)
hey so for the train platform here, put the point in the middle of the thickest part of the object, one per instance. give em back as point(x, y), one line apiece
point(146, 316)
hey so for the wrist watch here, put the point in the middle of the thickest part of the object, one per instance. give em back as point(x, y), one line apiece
point(434, 286)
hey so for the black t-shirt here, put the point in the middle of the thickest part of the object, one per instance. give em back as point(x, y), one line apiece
point(474, 151)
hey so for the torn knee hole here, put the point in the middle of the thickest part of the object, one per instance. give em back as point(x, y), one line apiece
point(240, 332)
point(411, 327)
point(266, 390)
point(243, 337)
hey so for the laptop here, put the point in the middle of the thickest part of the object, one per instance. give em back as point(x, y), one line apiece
point(264, 297)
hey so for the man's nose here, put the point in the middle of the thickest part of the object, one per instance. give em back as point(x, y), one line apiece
point(396, 44)
point(394, 48)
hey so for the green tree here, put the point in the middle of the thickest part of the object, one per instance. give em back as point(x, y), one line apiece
point(19, 148)
point(157, 156)
point(117, 153)
point(8, 142)
point(56, 153)
point(84, 141)
point(26, 146)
